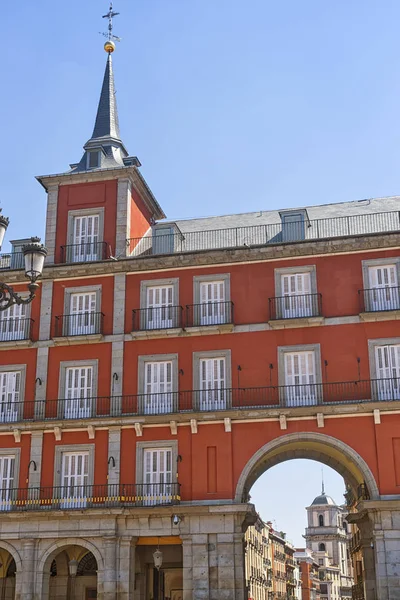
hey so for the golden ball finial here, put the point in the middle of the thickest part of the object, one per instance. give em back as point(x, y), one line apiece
point(109, 46)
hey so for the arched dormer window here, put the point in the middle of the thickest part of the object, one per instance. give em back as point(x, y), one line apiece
point(321, 520)
point(321, 547)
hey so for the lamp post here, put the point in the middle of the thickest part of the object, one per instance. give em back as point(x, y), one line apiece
point(72, 571)
point(34, 255)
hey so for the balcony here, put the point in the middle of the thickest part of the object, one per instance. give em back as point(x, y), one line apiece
point(147, 322)
point(16, 329)
point(305, 308)
point(79, 325)
point(84, 252)
point(378, 300)
point(12, 260)
point(190, 401)
point(218, 315)
point(357, 591)
point(89, 496)
point(262, 235)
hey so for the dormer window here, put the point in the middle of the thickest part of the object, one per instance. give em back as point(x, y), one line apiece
point(93, 159)
point(294, 225)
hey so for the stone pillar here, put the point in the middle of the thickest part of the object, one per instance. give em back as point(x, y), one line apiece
point(28, 570)
point(114, 451)
point(34, 476)
point(110, 564)
point(45, 310)
point(41, 381)
point(117, 364)
point(51, 223)
point(200, 567)
point(123, 228)
point(119, 303)
point(187, 567)
point(126, 568)
point(240, 582)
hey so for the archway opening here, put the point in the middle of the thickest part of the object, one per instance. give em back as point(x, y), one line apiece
point(7, 575)
point(73, 574)
point(329, 552)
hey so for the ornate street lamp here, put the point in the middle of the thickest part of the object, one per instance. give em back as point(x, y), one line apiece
point(34, 255)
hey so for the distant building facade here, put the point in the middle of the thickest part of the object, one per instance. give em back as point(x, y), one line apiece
point(258, 561)
point(309, 573)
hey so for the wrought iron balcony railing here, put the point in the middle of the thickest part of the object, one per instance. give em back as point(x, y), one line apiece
point(89, 496)
point(379, 299)
point(357, 591)
point(260, 235)
point(209, 313)
point(84, 252)
point(157, 318)
point(12, 260)
point(295, 307)
point(86, 323)
point(15, 329)
point(214, 400)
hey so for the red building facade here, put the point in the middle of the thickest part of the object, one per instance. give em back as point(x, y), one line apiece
point(163, 367)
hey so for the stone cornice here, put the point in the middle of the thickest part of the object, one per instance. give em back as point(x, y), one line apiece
point(224, 257)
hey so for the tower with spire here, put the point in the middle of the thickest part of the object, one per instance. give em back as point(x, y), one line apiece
point(103, 199)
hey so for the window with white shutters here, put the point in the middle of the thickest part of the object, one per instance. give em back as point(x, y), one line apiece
point(78, 399)
point(157, 475)
point(74, 479)
point(86, 239)
point(384, 292)
point(10, 385)
point(7, 468)
point(83, 318)
point(213, 393)
point(300, 379)
point(387, 360)
point(159, 308)
point(14, 323)
point(158, 391)
point(213, 309)
point(296, 300)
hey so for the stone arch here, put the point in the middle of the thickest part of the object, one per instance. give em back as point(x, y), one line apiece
point(315, 446)
point(48, 555)
point(14, 553)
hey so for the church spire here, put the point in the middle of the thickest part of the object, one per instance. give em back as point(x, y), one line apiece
point(105, 149)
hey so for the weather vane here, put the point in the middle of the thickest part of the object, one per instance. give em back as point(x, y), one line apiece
point(109, 46)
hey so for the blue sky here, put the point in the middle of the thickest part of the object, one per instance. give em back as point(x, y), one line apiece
point(231, 106)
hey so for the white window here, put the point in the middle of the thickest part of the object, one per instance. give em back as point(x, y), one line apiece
point(10, 386)
point(213, 393)
point(300, 378)
point(78, 400)
point(14, 323)
point(296, 300)
point(213, 309)
point(159, 312)
point(7, 469)
point(384, 292)
point(83, 319)
point(158, 395)
point(387, 360)
point(157, 475)
point(74, 479)
point(86, 245)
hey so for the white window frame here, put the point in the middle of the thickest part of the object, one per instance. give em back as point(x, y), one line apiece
point(4, 317)
point(64, 365)
point(97, 289)
point(377, 262)
point(6, 502)
point(144, 287)
point(372, 345)
point(159, 444)
point(58, 461)
point(142, 362)
point(21, 404)
point(197, 281)
point(282, 350)
point(197, 356)
point(311, 269)
point(83, 212)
